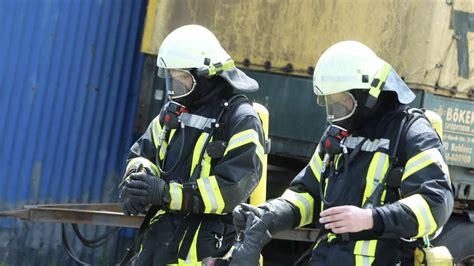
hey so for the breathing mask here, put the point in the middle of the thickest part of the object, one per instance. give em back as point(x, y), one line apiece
point(179, 82)
point(339, 106)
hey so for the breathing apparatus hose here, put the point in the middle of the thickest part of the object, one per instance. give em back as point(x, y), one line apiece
point(170, 115)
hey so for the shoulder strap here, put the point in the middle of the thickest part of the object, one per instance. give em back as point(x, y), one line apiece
point(394, 178)
point(217, 127)
point(229, 109)
point(410, 116)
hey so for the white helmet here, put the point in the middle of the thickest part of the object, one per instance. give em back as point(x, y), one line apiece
point(193, 46)
point(351, 65)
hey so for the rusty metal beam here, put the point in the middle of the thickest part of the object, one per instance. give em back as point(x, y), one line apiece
point(111, 215)
point(98, 214)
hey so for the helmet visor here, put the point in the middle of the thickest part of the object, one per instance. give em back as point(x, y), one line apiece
point(339, 106)
point(179, 82)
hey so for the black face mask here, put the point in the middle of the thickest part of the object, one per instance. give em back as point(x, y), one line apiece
point(364, 116)
point(206, 91)
point(361, 114)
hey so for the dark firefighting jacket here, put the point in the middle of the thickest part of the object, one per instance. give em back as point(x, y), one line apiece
point(205, 228)
point(422, 206)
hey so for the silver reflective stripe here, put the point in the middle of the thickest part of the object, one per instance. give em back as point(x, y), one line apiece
point(306, 206)
point(249, 135)
point(196, 121)
point(365, 248)
point(176, 196)
point(369, 145)
point(316, 164)
point(365, 253)
point(260, 151)
point(424, 214)
point(365, 261)
point(210, 194)
point(426, 157)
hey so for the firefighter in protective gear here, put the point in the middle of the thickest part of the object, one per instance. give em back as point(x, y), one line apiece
point(199, 158)
point(349, 188)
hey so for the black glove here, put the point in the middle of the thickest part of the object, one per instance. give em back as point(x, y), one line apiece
point(256, 235)
point(131, 207)
point(241, 212)
point(145, 189)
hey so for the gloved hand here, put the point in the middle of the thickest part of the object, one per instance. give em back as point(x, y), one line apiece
point(131, 207)
point(256, 235)
point(241, 212)
point(145, 189)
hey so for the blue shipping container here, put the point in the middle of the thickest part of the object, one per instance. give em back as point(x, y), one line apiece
point(69, 82)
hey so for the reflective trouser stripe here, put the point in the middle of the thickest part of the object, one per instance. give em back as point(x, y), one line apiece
point(305, 204)
point(133, 163)
point(364, 252)
point(422, 160)
point(211, 195)
point(316, 165)
point(191, 258)
point(176, 195)
point(245, 137)
point(421, 209)
point(377, 169)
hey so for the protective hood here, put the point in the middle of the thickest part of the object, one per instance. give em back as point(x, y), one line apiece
point(239, 80)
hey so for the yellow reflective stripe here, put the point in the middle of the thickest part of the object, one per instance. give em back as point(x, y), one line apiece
point(171, 135)
point(384, 195)
point(377, 169)
point(422, 160)
point(245, 137)
point(382, 75)
point(197, 151)
point(213, 69)
point(316, 165)
point(156, 130)
point(211, 194)
point(305, 204)
point(206, 165)
point(228, 254)
point(176, 195)
point(163, 148)
point(191, 258)
point(157, 216)
point(364, 252)
point(133, 163)
point(331, 237)
point(317, 243)
point(421, 209)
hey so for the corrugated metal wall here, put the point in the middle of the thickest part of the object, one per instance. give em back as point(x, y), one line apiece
point(69, 81)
